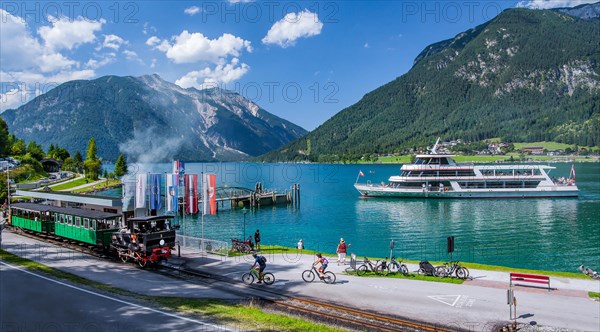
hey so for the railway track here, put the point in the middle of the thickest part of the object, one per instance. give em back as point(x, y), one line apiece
point(351, 318)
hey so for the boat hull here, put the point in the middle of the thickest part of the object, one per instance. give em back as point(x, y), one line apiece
point(379, 191)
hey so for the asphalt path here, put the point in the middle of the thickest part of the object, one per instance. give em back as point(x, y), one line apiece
point(476, 305)
point(32, 302)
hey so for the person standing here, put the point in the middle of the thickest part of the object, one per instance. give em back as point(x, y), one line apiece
point(341, 251)
point(257, 239)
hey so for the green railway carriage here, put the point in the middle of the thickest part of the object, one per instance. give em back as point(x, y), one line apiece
point(88, 226)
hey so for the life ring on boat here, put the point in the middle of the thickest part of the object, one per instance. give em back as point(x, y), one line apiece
point(445, 188)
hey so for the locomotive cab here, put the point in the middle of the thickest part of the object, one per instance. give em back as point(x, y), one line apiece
point(145, 234)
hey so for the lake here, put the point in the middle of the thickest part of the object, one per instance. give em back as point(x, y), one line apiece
point(549, 234)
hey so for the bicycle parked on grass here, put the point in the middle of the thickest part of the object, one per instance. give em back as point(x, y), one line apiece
point(241, 246)
point(452, 267)
point(379, 267)
point(395, 266)
point(309, 276)
point(249, 277)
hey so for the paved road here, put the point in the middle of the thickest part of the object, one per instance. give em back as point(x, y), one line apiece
point(475, 305)
point(31, 302)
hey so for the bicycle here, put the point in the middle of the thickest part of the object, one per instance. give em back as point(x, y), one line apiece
point(379, 267)
point(249, 277)
point(309, 276)
point(452, 267)
point(395, 266)
point(241, 246)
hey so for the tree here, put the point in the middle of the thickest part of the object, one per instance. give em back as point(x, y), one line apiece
point(121, 166)
point(92, 165)
point(18, 148)
point(78, 161)
point(4, 139)
point(35, 150)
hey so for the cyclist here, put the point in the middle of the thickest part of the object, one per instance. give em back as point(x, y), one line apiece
point(323, 261)
point(262, 264)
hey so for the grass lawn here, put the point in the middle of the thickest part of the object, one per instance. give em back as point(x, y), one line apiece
point(100, 186)
point(594, 295)
point(69, 185)
point(546, 145)
point(242, 316)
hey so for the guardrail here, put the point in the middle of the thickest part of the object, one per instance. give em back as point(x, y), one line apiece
point(196, 244)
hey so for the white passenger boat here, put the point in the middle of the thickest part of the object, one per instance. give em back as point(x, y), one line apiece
point(439, 176)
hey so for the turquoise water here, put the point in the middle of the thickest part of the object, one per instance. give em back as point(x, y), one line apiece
point(549, 234)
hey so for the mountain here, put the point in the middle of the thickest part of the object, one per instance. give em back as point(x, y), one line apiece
point(525, 76)
point(150, 119)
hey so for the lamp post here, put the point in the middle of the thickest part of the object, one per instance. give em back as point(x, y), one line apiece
point(244, 210)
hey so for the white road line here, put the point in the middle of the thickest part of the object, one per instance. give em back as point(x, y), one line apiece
point(222, 328)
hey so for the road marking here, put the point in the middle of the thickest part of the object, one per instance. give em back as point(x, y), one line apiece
point(446, 299)
point(220, 328)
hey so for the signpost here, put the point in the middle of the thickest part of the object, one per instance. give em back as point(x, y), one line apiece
point(391, 248)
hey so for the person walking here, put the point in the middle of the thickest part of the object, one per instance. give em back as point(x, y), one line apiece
point(341, 251)
point(257, 239)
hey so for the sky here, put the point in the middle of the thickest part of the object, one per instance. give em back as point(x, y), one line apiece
point(303, 61)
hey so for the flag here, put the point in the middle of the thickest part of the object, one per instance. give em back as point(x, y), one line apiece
point(178, 167)
point(209, 194)
point(140, 191)
point(172, 192)
point(360, 173)
point(155, 194)
point(572, 171)
point(191, 193)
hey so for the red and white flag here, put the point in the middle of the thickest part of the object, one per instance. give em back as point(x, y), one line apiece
point(191, 193)
point(360, 173)
point(572, 171)
point(209, 194)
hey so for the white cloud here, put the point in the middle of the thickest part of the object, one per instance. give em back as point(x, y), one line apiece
point(95, 64)
point(67, 33)
point(207, 77)
point(195, 47)
point(546, 4)
point(12, 99)
point(29, 63)
point(153, 63)
point(131, 55)
point(192, 10)
point(152, 41)
point(286, 31)
point(147, 28)
point(112, 41)
point(366, 45)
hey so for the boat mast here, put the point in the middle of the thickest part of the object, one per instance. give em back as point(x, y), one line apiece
point(434, 149)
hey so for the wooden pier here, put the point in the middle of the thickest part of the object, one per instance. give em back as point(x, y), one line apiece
point(237, 197)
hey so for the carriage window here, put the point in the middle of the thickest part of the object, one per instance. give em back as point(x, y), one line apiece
point(93, 224)
point(62, 218)
point(86, 223)
point(70, 220)
point(77, 221)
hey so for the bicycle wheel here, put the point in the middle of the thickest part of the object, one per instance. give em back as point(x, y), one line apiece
point(268, 278)
point(362, 270)
point(403, 269)
point(308, 276)
point(248, 278)
point(394, 267)
point(440, 271)
point(381, 270)
point(462, 273)
point(329, 277)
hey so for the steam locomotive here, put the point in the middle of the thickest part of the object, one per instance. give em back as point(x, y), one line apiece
point(143, 240)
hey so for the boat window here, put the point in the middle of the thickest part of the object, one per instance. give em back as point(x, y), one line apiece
point(444, 161)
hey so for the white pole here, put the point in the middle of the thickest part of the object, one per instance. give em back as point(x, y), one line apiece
point(204, 197)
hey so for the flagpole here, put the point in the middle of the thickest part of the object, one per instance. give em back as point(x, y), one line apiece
point(203, 206)
point(357, 177)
